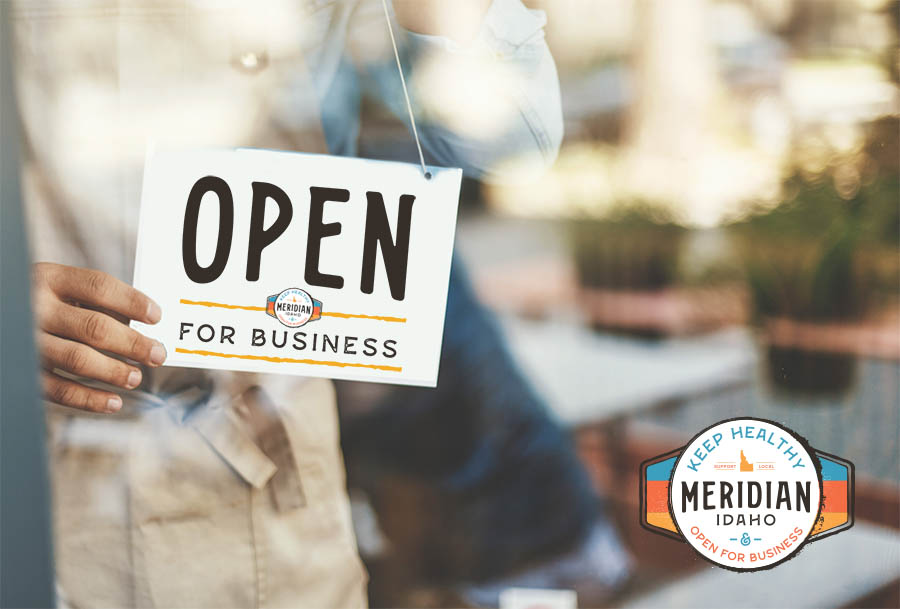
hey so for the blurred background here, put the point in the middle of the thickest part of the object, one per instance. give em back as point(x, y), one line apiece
point(718, 237)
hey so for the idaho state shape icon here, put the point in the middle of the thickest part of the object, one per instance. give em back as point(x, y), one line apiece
point(746, 494)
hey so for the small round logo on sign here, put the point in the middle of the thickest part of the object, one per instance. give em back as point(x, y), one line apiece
point(746, 493)
point(293, 307)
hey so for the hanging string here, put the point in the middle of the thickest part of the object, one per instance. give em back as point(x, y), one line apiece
point(412, 119)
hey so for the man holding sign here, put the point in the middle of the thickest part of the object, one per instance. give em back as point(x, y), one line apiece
point(211, 487)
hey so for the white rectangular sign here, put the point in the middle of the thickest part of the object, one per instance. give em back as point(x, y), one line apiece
point(294, 263)
point(537, 598)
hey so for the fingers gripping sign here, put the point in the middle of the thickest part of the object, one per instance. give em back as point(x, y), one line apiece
point(82, 318)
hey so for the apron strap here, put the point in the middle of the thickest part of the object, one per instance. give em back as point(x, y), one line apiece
point(272, 438)
point(221, 429)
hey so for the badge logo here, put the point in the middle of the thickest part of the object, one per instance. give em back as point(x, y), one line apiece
point(747, 494)
point(293, 307)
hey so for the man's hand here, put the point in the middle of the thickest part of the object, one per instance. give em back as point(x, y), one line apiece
point(81, 312)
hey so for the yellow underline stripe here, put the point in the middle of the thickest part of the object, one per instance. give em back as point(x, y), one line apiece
point(401, 320)
point(288, 360)
point(205, 303)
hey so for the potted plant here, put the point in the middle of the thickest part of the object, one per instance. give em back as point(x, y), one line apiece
point(625, 262)
point(817, 264)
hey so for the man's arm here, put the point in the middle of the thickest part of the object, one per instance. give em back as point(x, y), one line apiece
point(484, 85)
point(458, 21)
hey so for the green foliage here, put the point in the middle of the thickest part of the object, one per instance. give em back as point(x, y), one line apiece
point(635, 247)
point(819, 256)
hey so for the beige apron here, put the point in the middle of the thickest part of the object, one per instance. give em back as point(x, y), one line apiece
point(204, 491)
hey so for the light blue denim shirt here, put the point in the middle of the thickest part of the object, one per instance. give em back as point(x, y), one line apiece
point(510, 34)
